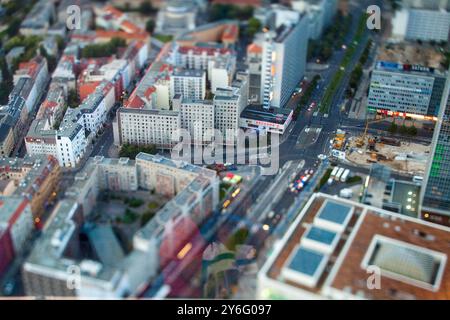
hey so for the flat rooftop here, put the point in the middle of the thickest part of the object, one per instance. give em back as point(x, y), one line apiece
point(407, 195)
point(273, 115)
point(327, 251)
point(180, 72)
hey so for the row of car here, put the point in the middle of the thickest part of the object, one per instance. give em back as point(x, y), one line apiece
point(299, 184)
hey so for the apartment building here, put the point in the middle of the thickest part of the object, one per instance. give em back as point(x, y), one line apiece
point(190, 83)
point(36, 71)
point(29, 83)
point(16, 225)
point(146, 126)
point(39, 19)
point(229, 102)
point(36, 178)
point(53, 106)
point(194, 191)
point(197, 116)
point(65, 71)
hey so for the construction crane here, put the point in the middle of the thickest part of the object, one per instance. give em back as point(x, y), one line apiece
point(362, 139)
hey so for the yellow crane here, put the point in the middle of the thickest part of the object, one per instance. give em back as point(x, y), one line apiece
point(362, 139)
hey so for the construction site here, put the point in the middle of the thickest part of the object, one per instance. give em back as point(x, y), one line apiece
point(365, 150)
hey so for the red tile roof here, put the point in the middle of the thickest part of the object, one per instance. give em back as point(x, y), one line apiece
point(135, 103)
point(254, 48)
point(130, 27)
point(230, 33)
point(210, 51)
point(109, 34)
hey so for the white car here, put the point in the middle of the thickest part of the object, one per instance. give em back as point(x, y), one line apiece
point(322, 156)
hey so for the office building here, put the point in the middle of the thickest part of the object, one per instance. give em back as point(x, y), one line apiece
point(254, 60)
point(436, 187)
point(340, 249)
point(427, 4)
point(406, 90)
point(320, 14)
point(421, 24)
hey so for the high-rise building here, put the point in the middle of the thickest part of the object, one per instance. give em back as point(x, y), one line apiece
point(436, 188)
point(406, 89)
point(283, 61)
point(427, 4)
point(421, 24)
point(320, 14)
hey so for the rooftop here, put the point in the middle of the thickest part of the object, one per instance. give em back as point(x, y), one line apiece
point(179, 72)
point(316, 259)
point(49, 255)
point(274, 115)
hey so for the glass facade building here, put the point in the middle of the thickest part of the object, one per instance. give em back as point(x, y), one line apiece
point(436, 190)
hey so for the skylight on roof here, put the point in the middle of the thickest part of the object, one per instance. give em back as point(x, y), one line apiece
point(320, 239)
point(406, 262)
point(305, 266)
point(334, 216)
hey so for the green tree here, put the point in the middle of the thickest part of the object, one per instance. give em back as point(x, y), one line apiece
point(103, 49)
point(228, 11)
point(412, 130)
point(403, 129)
point(254, 26)
point(131, 151)
point(446, 61)
point(150, 25)
point(13, 27)
point(393, 128)
point(60, 42)
point(238, 238)
point(146, 7)
point(146, 217)
point(73, 100)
